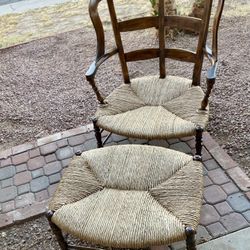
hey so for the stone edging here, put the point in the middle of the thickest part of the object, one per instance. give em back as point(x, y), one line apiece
point(227, 163)
point(74, 137)
point(45, 140)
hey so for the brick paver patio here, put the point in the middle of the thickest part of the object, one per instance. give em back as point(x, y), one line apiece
point(29, 174)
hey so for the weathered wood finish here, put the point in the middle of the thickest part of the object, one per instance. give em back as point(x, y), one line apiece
point(202, 42)
point(183, 22)
point(216, 23)
point(138, 24)
point(56, 230)
point(180, 22)
point(95, 65)
point(97, 23)
point(162, 39)
point(118, 41)
point(190, 240)
point(98, 134)
point(176, 54)
point(197, 25)
point(198, 143)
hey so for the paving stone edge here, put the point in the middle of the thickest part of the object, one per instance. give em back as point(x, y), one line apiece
point(37, 208)
point(23, 214)
point(228, 164)
point(45, 140)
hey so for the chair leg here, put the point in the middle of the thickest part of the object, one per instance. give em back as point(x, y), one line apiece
point(190, 241)
point(98, 134)
point(198, 144)
point(57, 231)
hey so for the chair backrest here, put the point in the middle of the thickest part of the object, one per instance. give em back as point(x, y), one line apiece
point(197, 25)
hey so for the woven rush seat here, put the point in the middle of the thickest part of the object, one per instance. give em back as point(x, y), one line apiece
point(133, 109)
point(129, 196)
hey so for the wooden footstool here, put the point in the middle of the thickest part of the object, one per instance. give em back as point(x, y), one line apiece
point(129, 196)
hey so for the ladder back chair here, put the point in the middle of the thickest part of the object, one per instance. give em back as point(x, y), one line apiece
point(163, 106)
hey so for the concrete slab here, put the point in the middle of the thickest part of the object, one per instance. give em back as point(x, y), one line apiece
point(239, 240)
point(23, 6)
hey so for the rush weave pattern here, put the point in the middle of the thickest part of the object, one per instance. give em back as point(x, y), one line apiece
point(129, 196)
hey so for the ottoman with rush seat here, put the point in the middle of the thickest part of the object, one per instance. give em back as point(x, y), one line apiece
point(129, 196)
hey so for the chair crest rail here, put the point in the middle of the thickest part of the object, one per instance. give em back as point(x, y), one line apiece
point(180, 22)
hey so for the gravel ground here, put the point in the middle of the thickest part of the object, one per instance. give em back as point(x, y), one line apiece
point(43, 89)
point(35, 234)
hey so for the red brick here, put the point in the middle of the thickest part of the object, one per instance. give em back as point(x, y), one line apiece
point(223, 208)
point(207, 181)
point(216, 229)
point(48, 148)
point(6, 220)
point(42, 195)
point(214, 194)
point(233, 222)
point(209, 142)
point(21, 168)
point(25, 213)
point(5, 154)
point(76, 140)
point(208, 215)
point(52, 168)
point(230, 188)
point(75, 131)
point(62, 143)
point(35, 163)
point(224, 160)
point(205, 154)
point(20, 158)
point(52, 189)
point(89, 136)
point(49, 139)
point(201, 236)
point(34, 152)
point(211, 164)
point(8, 206)
point(8, 193)
point(24, 200)
point(65, 162)
point(22, 148)
point(5, 162)
point(240, 178)
point(188, 138)
point(218, 176)
point(191, 143)
point(22, 178)
point(49, 158)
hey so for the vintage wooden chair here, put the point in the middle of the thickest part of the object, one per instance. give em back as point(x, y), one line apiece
point(128, 196)
point(156, 107)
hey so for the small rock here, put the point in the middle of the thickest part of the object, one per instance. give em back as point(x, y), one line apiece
point(3, 234)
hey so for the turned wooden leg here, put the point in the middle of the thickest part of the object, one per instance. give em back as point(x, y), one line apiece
point(57, 231)
point(190, 240)
point(98, 134)
point(198, 144)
